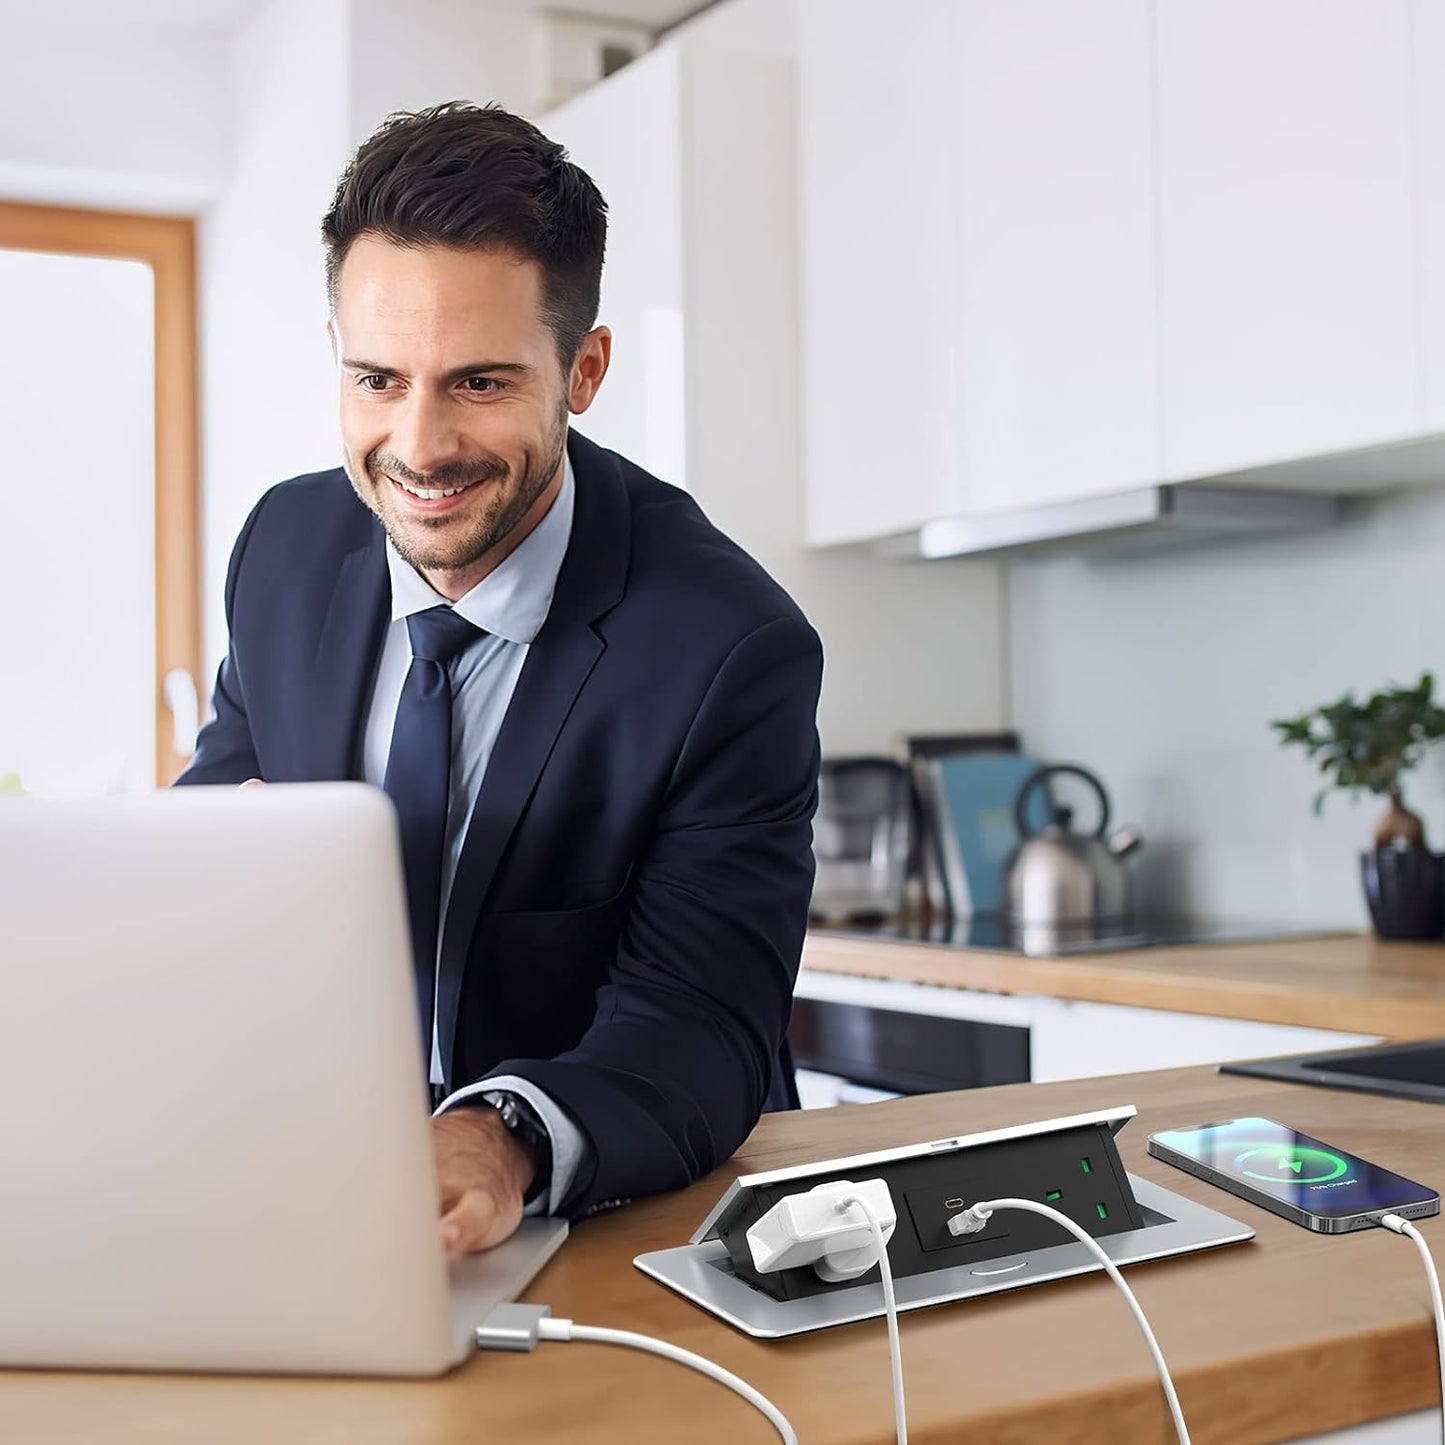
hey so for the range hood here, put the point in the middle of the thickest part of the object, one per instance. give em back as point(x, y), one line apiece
point(1140, 520)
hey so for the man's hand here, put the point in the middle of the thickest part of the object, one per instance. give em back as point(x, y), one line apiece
point(484, 1171)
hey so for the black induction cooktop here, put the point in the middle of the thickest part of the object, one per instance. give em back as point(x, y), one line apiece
point(1415, 1070)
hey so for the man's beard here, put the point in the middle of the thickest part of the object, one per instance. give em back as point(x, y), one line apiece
point(491, 524)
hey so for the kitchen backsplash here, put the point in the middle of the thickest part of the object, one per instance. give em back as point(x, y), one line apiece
point(1162, 675)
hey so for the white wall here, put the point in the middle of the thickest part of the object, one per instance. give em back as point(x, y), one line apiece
point(1163, 673)
point(405, 57)
point(309, 80)
point(117, 114)
point(268, 387)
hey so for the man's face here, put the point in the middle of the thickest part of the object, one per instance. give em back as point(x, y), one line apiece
point(450, 383)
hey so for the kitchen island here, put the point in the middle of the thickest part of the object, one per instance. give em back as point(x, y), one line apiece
point(1287, 1337)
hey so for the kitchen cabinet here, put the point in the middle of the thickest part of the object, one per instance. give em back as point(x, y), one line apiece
point(1287, 253)
point(878, 278)
point(1069, 1038)
point(1052, 164)
point(1428, 23)
point(979, 270)
point(1054, 251)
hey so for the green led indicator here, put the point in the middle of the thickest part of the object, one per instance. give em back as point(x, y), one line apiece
point(1085, 1165)
point(1103, 1211)
point(1054, 1194)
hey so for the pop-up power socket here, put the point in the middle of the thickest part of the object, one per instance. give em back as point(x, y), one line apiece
point(1068, 1164)
point(1075, 1170)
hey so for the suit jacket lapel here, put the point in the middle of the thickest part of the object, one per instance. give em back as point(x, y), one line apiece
point(344, 665)
point(559, 662)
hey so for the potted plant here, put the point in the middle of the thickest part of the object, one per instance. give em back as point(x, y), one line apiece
point(1368, 746)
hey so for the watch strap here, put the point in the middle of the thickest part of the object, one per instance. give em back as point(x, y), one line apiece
point(520, 1118)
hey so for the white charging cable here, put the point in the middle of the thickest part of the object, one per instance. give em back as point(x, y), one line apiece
point(1403, 1226)
point(890, 1304)
point(519, 1327)
point(973, 1219)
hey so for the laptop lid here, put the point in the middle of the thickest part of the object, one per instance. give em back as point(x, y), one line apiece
point(213, 1112)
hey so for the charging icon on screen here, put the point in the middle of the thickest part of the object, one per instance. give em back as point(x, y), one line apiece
point(1274, 1164)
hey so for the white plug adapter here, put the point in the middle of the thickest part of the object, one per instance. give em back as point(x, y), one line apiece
point(809, 1228)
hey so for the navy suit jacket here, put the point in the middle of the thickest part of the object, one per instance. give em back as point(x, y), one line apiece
point(631, 898)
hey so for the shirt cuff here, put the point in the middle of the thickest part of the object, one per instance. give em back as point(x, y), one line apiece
point(569, 1147)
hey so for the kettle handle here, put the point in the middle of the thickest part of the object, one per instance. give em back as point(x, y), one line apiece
point(1051, 770)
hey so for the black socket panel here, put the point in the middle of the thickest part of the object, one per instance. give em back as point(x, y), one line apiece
point(1076, 1171)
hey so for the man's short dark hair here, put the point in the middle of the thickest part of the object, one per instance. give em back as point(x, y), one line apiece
point(478, 178)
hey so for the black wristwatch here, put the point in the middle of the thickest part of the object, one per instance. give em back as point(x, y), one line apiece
point(521, 1119)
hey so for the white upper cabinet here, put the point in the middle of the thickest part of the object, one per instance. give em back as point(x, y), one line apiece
point(978, 258)
point(1052, 157)
point(878, 266)
point(1288, 281)
point(626, 133)
point(1429, 90)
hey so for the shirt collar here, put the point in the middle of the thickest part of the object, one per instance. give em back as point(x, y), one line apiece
point(511, 601)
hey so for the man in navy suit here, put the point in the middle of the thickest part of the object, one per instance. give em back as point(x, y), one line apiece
point(594, 712)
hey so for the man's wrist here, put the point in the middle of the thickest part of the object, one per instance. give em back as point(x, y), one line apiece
point(526, 1129)
point(518, 1165)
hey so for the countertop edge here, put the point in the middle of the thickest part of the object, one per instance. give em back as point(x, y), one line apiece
point(1155, 979)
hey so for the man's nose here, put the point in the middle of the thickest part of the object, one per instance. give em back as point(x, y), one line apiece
point(425, 436)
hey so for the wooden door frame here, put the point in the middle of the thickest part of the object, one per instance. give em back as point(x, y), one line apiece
point(167, 244)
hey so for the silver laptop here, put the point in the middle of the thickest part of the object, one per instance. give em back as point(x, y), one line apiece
point(215, 1151)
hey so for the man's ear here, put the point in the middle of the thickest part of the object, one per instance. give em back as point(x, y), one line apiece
point(331, 336)
point(588, 368)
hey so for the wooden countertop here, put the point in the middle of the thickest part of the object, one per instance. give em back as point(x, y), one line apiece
point(1349, 982)
point(1290, 1335)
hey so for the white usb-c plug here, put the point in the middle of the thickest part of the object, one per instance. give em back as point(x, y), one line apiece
point(971, 1221)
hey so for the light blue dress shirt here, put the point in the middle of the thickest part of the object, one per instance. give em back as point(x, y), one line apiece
point(510, 605)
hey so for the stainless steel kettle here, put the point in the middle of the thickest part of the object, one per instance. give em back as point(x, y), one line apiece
point(1059, 878)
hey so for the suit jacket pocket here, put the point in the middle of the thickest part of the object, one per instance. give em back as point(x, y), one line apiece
point(532, 990)
point(561, 924)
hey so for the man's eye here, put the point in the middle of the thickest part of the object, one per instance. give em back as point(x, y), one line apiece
point(482, 384)
point(375, 382)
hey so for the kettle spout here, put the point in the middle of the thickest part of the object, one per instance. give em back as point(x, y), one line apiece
point(1125, 842)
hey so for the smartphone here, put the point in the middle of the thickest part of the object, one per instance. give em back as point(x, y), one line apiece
point(1317, 1185)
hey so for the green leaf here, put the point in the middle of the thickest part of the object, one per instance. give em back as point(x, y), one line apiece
point(1368, 746)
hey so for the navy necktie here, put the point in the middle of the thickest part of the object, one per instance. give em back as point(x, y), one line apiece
point(418, 774)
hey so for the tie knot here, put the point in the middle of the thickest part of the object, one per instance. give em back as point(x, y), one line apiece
point(440, 634)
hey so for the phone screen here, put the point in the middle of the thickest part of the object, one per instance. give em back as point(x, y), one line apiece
point(1295, 1167)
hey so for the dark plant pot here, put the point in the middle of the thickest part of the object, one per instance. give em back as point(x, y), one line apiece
point(1405, 888)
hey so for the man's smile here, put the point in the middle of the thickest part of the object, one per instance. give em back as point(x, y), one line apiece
point(430, 499)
